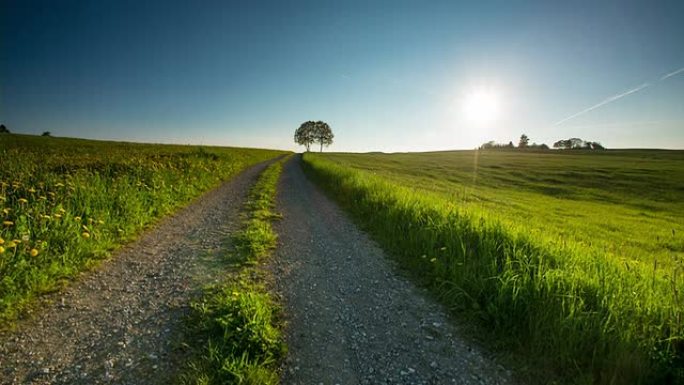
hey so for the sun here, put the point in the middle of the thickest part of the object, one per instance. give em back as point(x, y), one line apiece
point(482, 106)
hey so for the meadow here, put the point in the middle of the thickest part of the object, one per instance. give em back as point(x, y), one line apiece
point(68, 203)
point(572, 260)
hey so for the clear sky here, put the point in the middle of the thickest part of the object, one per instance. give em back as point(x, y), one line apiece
point(386, 75)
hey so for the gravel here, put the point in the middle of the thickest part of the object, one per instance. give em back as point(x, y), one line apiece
point(122, 322)
point(351, 318)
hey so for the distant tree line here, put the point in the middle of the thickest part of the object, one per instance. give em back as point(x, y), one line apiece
point(5, 130)
point(524, 144)
point(577, 144)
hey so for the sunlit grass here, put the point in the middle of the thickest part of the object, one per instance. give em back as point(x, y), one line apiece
point(577, 269)
point(66, 203)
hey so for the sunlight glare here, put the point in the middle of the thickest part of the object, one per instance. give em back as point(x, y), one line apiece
point(482, 106)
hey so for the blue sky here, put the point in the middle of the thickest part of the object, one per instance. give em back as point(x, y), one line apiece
point(386, 75)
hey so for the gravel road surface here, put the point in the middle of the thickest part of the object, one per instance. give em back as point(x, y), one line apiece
point(351, 318)
point(119, 324)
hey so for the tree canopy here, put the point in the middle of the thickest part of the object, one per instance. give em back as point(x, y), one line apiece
point(304, 135)
point(3, 129)
point(314, 132)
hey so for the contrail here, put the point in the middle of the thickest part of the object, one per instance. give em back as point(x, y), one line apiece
point(672, 74)
point(604, 102)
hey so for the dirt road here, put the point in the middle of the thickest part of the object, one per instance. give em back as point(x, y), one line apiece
point(119, 324)
point(351, 318)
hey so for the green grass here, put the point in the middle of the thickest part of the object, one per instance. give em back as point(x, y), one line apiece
point(571, 259)
point(67, 203)
point(233, 329)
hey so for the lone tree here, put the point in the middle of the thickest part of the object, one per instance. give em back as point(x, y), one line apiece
point(524, 141)
point(323, 134)
point(3, 129)
point(305, 134)
point(46, 133)
point(314, 132)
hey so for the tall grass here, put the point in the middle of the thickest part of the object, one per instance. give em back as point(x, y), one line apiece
point(233, 328)
point(66, 203)
point(580, 316)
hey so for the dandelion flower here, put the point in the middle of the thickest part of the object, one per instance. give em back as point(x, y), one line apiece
point(86, 235)
point(2, 241)
point(33, 252)
point(2, 250)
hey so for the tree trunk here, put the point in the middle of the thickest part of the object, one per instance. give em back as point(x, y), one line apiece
point(321, 146)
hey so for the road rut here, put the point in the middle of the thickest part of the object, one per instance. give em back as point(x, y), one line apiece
point(351, 318)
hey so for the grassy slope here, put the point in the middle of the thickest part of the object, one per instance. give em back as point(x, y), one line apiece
point(66, 203)
point(233, 327)
point(552, 252)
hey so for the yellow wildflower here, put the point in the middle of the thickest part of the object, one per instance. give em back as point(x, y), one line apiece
point(11, 245)
point(86, 235)
point(77, 219)
point(2, 250)
point(34, 252)
point(57, 215)
point(7, 223)
point(32, 190)
point(23, 200)
point(2, 241)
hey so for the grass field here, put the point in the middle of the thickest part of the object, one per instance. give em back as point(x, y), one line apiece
point(573, 259)
point(67, 203)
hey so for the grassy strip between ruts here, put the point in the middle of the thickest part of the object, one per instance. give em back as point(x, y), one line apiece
point(233, 326)
point(579, 318)
point(65, 204)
